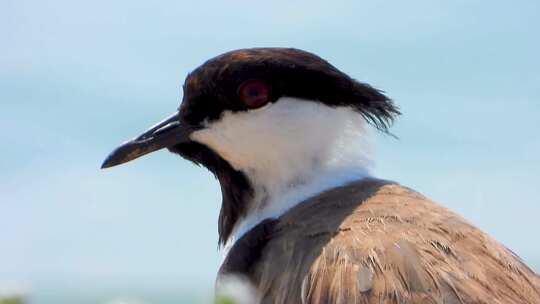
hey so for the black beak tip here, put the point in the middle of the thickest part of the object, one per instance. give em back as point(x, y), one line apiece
point(106, 164)
point(116, 157)
point(164, 134)
point(109, 162)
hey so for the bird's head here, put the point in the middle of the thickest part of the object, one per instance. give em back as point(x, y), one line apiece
point(265, 121)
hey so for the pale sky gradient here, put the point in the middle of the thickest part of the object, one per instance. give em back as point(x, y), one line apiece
point(79, 77)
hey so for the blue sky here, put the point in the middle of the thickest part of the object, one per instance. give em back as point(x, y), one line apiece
point(79, 77)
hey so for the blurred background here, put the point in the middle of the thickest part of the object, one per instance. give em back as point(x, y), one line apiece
point(79, 77)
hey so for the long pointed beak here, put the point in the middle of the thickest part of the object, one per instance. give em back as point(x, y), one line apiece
point(166, 133)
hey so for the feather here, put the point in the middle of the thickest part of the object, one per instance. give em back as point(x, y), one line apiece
point(375, 241)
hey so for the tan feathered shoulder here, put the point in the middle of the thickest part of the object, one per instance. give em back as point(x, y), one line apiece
point(378, 242)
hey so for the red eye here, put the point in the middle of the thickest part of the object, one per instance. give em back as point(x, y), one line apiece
point(254, 93)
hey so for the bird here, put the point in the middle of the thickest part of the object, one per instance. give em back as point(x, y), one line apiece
point(303, 218)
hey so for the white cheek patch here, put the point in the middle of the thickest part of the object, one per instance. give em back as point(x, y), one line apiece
point(289, 150)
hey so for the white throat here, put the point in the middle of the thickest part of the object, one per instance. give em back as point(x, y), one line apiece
point(289, 150)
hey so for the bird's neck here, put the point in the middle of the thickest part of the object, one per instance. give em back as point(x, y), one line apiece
point(289, 152)
point(282, 197)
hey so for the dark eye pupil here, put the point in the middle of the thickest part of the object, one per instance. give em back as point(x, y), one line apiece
point(254, 93)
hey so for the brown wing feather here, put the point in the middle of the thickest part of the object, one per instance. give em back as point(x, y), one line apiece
point(377, 242)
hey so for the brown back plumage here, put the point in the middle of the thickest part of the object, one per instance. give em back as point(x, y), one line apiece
point(378, 242)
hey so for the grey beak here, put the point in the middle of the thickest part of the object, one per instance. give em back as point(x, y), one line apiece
point(166, 133)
